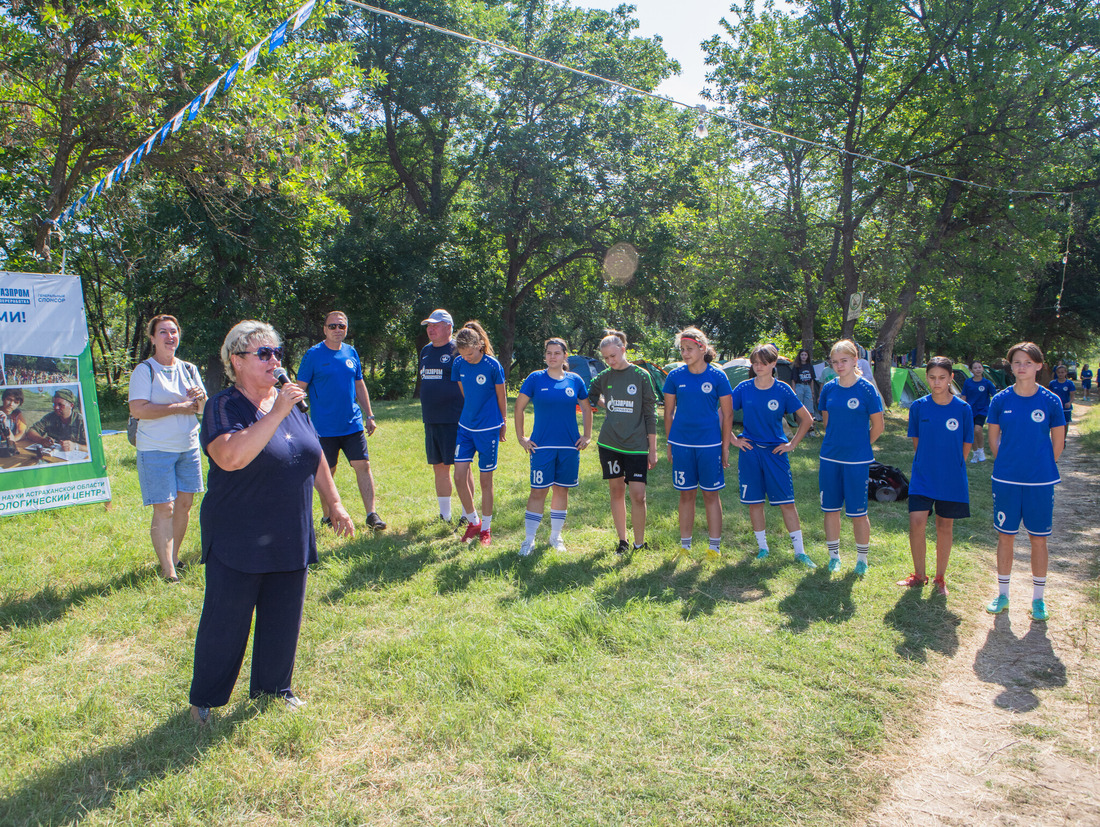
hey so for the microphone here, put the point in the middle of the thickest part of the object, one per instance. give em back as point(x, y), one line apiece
point(281, 379)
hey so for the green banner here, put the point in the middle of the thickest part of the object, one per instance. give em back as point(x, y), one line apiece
point(51, 451)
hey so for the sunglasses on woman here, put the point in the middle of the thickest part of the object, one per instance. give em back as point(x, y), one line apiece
point(264, 354)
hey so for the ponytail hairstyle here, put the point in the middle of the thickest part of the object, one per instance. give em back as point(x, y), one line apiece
point(613, 337)
point(764, 354)
point(941, 362)
point(700, 338)
point(559, 341)
point(848, 348)
point(473, 334)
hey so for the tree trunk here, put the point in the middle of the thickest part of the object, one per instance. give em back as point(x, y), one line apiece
point(922, 335)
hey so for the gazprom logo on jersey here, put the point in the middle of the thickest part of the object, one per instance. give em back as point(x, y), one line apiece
point(952, 424)
point(1038, 416)
point(15, 295)
point(853, 403)
point(481, 378)
point(707, 387)
point(621, 405)
point(773, 404)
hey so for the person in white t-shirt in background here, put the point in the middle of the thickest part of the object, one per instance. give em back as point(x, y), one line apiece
point(166, 396)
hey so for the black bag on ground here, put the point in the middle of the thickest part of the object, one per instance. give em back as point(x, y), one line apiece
point(886, 483)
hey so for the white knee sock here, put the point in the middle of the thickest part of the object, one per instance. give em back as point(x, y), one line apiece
point(761, 540)
point(444, 507)
point(531, 522)
point(1038, 584)
point(557, 523)
point(486, 521)
point(796, 542)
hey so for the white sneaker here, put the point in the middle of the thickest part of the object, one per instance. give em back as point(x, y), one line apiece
point(974, 458)
point(558, 544)
point(981, 455)
point(526, 547)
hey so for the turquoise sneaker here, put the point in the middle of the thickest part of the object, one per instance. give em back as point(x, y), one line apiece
point(999, 604)
point(861, 568)
point(762, 554)
point(1038, 610)
point(806, 561)
point(834, 564)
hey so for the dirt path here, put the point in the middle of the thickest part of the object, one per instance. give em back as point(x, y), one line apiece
point(1014, 735)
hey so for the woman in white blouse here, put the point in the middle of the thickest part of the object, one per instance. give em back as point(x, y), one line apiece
point(166, 396)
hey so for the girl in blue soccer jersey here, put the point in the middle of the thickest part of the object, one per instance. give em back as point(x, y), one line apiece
point(481, 425)
point(763, 467)
point(555, 444)
point(698, 422)
point(977, 391)
point(942, 429)
point(1063, 388)
point(1027, 432)
point(851, 411)
point(1086, 382)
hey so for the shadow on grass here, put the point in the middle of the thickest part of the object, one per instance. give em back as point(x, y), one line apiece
point(378, 560)
point(698, 586)
point(924, 624)
point(70, 792)
point(1020, 665)
point(819, 597)
point(50, 604)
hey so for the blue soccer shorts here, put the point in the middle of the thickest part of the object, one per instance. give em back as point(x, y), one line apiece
point(761, 473)
point(483, 443)
point(843, 485)
point(694, 467)
point(1034, 504)
point(555, 466)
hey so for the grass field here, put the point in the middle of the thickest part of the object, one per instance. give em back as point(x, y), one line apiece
point(462, 685)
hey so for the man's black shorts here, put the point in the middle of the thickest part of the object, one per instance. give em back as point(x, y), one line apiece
point(616, 464)
point(948, 509)
point(979, 420)
point(354, 447)
point(440, 440)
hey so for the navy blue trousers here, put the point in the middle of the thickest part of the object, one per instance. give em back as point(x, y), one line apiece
point(231, 598)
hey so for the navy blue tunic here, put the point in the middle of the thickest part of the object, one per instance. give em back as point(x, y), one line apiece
point(259, 518)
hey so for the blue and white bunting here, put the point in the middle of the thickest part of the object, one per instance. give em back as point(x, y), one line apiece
point(302, 15)
point(225, 81)
point(231, 76)
point(278, 37)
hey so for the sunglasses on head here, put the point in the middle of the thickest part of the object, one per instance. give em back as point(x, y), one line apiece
point(337, 326)
point(264, 354)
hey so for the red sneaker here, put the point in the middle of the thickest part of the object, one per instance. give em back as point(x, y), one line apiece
point(472, 530)
point(914, 581)
point(940, 586)
point(485, 537)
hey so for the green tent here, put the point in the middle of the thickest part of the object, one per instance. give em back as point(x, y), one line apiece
point(907, 386)
point(656, 375)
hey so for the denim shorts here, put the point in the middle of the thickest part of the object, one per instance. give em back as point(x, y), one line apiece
point(163, 474)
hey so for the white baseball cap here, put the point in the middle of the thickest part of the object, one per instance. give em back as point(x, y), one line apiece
point(439, 316)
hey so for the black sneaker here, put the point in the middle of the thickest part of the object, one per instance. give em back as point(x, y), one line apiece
point(642, 547)
point(462, 522)
point(375, 522)
point(326, 522)
point(623, 548)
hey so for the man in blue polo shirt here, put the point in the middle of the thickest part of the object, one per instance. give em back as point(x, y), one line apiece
point(331, 374)
point(440, 408)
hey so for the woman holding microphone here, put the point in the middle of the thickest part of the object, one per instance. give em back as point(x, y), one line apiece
point(257, 522)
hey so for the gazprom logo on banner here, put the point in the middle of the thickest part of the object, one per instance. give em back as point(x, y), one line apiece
point(15, 295)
